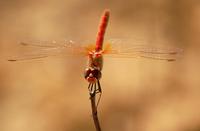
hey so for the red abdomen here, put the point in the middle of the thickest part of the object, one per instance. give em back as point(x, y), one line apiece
point(102, 29)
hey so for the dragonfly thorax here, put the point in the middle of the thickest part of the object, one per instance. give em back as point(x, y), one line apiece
point(94, 67)
point(95, 60)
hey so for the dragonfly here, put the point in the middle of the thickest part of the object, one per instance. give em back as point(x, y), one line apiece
point(95, 52)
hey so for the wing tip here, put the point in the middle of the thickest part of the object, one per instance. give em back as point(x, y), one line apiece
point(171, 60)
point(12, 60)
point(23, 43)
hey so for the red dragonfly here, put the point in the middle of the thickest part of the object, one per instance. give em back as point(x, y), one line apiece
point(95, 52)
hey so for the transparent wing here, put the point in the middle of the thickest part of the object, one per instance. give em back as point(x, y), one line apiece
point(41, 49)
point(123, 48)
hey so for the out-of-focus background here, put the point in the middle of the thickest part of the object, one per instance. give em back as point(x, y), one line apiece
point(138, 94)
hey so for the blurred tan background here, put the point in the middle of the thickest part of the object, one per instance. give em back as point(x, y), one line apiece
point(138, 94)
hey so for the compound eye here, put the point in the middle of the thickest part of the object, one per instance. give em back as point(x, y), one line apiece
point(87, 72)
point(96, 73)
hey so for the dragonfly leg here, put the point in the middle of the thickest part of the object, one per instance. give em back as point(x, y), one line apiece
point(99, 91)
point(89, 87)
point(95, 88)
point(99, 87)
point(92, 88)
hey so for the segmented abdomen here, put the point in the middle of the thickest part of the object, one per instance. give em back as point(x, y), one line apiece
point(102, 29)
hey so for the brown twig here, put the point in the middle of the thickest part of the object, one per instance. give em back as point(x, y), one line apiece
point(94, 111)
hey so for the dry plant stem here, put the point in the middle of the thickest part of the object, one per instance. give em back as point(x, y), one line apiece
point(94, 112)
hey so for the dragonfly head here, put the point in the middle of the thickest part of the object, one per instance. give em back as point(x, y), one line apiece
point(92, 74)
